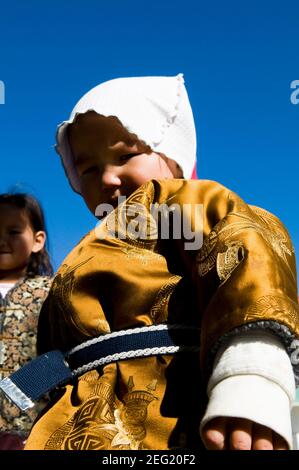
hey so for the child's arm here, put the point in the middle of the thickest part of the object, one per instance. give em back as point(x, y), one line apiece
point(245, 276)
point(252, 379)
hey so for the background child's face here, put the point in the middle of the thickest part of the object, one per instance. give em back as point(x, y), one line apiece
point(17, 238)
point(110, 161)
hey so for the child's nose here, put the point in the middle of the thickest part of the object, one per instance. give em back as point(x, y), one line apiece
point(111, 178)
point(3, 241)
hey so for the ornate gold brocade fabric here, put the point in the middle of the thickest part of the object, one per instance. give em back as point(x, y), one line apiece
point(243, 273)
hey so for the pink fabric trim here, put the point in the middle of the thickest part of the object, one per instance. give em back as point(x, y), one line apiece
point(194, 175)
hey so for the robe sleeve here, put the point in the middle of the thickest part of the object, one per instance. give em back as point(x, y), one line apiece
point(245, 270)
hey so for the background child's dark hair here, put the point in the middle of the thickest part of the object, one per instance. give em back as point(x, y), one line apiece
point(39, 263)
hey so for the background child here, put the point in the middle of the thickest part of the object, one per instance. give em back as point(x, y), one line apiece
point(25, 271)
point(239, 288)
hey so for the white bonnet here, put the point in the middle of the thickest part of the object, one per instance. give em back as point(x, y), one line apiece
point(156, 109)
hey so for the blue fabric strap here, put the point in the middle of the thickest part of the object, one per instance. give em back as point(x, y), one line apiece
point(120, 345)
point(36, 378)
point(54, 368)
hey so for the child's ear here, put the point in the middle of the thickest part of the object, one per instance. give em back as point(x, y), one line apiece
point(39, 241)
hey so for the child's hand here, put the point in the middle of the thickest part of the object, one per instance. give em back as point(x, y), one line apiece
point(240, 434)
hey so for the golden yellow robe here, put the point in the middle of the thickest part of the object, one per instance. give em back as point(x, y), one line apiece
point(243, 275)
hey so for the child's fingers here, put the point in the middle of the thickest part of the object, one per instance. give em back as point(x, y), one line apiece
point(213, 434)
point(261, 437)
point(278, 442)
point(240, 434)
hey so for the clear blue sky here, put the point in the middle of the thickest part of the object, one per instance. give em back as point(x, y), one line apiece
point(238, 59)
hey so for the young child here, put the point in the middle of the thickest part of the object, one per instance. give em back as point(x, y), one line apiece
point(235, 294)
point(24, 283)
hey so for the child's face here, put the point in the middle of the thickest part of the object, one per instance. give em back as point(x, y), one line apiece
point(17, 239)
point(110, 161)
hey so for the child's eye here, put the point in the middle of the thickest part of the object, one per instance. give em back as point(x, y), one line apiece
point(15, 232)
point(124, 158)
point(91, 169)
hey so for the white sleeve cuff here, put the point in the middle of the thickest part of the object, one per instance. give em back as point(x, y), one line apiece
point(253, 379)
point(251, 397)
